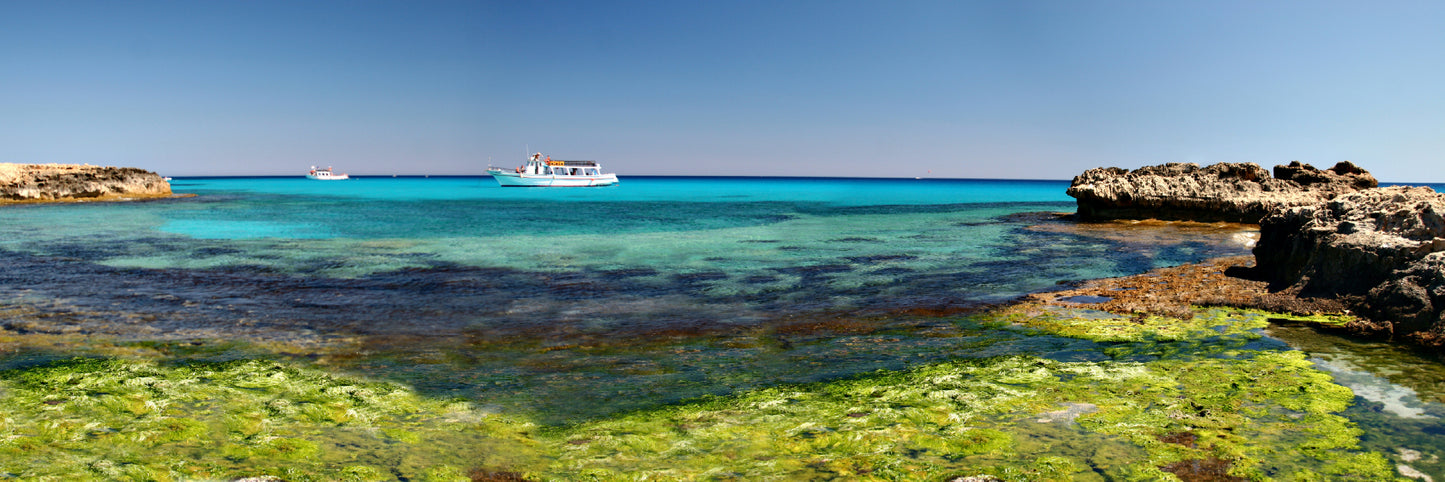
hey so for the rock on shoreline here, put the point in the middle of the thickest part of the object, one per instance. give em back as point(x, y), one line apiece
point(1382, 249)
point(1229, 192)
point(73, 182)
point(1330, 235)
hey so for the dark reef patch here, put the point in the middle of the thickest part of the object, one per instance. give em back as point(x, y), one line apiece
point(880, 258)
point(618, 274)
point(699, 277)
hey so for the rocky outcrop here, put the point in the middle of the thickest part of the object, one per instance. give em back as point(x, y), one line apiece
point(1382, 250)
point(1231, 192)
point(71, 182)
point(1329, 235)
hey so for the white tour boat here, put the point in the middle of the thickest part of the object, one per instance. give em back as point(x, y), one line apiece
point(542, 171)
point(325, 174)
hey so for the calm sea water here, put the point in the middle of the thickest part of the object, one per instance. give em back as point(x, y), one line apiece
point(573, 303)
point(415, 255)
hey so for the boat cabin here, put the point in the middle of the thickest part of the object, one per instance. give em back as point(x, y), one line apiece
point(548, 166)
point(542, 171)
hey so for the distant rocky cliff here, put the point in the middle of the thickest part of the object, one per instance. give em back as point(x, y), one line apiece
point(1383, 249)
point(63, 182)
point(1233, 192)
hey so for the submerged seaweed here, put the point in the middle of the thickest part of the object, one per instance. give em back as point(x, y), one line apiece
point(108, 419)
point(1226, 411)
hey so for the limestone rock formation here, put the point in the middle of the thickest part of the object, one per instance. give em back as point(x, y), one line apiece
point(1383, 249)
point(1232, 192)
point(63, 182)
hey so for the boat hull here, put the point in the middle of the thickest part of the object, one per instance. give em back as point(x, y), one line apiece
point(512, 179)
point(338, 177)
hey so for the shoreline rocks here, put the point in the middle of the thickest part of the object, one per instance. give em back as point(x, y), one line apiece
point(73, 182)
point(1229, 192)
point(1330, 235)
point(1382, 250)
point(1173, 291)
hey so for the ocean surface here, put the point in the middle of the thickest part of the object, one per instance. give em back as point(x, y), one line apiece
point(427, 263)
point(571, 304)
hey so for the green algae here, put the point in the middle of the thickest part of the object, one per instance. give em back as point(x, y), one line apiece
point(581, 378)
point(1400, 396)
point(1170, 397)
point(1109, 327)
point(1270, 414)
point(1327, 320)
point(98, 419)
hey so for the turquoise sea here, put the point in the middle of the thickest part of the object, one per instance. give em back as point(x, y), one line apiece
point(435, 261)
point(572, 304)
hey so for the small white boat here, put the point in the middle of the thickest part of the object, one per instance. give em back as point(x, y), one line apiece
point(542, 171)
point(325, 174)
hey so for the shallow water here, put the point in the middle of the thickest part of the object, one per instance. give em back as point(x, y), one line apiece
point(688, 250)
point(403, 265)
point(574, 304)
point(1399, 392)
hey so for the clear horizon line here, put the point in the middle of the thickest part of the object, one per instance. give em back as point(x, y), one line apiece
point(921, 178)
point(180, 176)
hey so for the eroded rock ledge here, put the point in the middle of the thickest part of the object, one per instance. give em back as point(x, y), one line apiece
point(1382, 250)
point(1327, 237)
point(73, 182)
point(1229, 192)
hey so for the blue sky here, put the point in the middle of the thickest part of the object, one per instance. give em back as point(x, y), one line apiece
point(996, 89)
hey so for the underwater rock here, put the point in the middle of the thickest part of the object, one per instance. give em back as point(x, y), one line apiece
point(71, 182)
point(1229, 192)
point(1411, 472)
point(1382, 250)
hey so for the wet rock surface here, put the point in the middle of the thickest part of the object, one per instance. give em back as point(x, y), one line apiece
point(1231, 192)
point(1331, 237)
point(1381, 250)
point(1172, 291)
point(70, 182)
